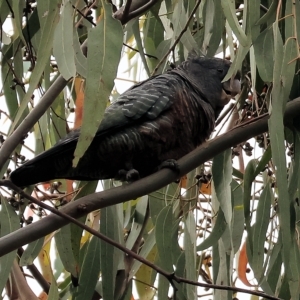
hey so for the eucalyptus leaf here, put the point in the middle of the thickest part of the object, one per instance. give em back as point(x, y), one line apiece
point(9, 222)
point(63, 42)
point(89, 271)
point(264, 54)
point(163, 235)
point(102, 64)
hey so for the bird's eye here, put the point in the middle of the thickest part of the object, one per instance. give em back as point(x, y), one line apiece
point(220, 70)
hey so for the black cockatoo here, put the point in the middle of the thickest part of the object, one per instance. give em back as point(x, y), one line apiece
point(161, 118)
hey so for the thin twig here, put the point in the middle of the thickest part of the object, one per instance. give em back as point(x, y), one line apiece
point(136, 50)
point(224, 287)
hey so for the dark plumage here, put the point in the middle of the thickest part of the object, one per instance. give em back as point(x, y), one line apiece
point(163, 117)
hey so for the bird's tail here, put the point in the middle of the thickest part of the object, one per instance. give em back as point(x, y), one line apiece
point(32, 173)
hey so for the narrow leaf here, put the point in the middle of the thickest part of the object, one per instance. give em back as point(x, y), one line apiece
point(64, 247)
point(163, 234)
point(102, 64)
point(260, 230)
point(222, 175)
point(31, 252)
point(89, 271)
point(9, 223)
point(63, 42)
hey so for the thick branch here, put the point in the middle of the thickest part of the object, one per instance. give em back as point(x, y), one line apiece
point(144, 186)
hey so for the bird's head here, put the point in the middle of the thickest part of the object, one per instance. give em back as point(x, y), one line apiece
point(207, 74)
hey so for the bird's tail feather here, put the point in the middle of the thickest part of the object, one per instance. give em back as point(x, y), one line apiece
point(31, 173)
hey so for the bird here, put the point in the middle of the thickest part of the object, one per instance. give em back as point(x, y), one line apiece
point(150, 126)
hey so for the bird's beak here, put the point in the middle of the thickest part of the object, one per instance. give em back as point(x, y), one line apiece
point(231, 88)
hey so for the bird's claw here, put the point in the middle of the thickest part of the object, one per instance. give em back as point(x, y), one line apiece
point(125, 175)
point(132, 175)
point(170, 164)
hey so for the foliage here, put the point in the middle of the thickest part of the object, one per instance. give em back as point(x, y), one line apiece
point(230, 215)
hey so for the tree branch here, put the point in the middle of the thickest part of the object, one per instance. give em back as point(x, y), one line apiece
point(143, 186)
point(137, 8)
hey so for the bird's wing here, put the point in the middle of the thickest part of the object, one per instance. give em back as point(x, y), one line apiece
point(144, 101)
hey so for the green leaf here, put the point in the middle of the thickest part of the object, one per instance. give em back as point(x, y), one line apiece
point(65, 249)
point(238, 218)
point(263, 161)
point(222, 176)
point(9, 223)
point(284, 291)
point(63, 50)
point(248, 179)
point(111, 258)
point(53, 291)
point(260, 230)
point(90, 270)
point(224, 272)
point(214, 23)
point(179, 19)
point(80, 59)
point(102, 64)
point(275, 264)
point(229, 12)
point(289, 20)
point(190, 253)
point(290, 54)
point(4, 11)
point(217, 232)
point(145, 251)
point(11, 98)
point(295, 272)
point(163, 235)
point(31, 252)
point(163, 287)
point(145, 279)
point(161, 50)
point(139, 219)
point(296, 14)
point(180, 272)
point(264, 54)
point(253, 12)
point(270, 15)
point(283, 72)
point(58, 120)
point(138, 39)
point(17, 8)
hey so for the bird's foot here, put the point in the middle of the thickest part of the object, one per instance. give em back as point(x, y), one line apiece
point(125, 175)
point(170, 164)
point(132, 175)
